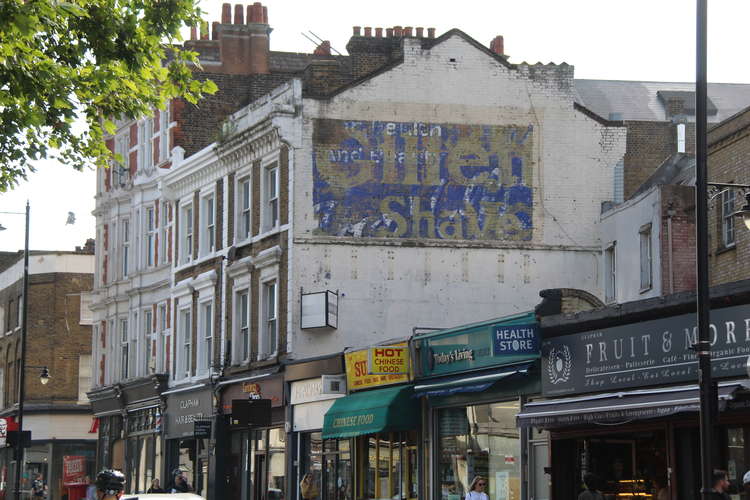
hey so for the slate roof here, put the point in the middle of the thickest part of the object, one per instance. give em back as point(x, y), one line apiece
point(635, 100)
point(679, 168)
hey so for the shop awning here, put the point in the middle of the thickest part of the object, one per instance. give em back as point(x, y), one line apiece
point(619, 406)
point(367, 412)
point(468, 383)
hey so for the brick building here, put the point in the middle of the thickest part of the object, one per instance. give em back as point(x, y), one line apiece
point(58, 414)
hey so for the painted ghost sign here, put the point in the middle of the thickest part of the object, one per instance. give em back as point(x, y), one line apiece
point(423, 180)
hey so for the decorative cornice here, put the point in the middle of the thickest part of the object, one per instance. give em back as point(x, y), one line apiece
point(242, 266)
point(268, 257)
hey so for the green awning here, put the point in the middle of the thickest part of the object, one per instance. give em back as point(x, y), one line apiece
point(382, 410)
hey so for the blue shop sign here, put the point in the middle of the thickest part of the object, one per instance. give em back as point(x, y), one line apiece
point(491, 343)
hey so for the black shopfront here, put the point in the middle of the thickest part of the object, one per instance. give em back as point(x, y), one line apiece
point(129, 430)
point(621, 397)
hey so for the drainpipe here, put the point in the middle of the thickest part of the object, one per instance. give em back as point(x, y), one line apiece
point(670, 249)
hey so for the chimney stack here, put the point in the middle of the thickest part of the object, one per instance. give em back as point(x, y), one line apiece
point(496, 46)
point(356, 30)
point(244, 39)
point(215, 30)
point(430, 32)
point(193, 33)
point(407, 31)
point(324, 49)
point(420, 32)
point(368, 31)
point(397, 31)
point(379, 32)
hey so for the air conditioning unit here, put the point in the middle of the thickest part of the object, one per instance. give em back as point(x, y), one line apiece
point(333, 384)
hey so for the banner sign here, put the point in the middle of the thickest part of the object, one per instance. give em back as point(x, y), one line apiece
point(383, 360)
point(74, 470)
point(357, 373)
point(647, 353)
point(483, 345)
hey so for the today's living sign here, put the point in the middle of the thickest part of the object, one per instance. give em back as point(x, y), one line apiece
point(646, 353)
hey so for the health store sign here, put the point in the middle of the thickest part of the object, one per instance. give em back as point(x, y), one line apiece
point(500, 342)
point(647, 353)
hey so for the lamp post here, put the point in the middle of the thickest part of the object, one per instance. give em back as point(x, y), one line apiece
point(21, 377)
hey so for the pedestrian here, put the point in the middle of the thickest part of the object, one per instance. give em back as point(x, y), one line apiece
point(591, 492)
point(90, 488)
point(307, 487)
point(477, 489)
point(109, 484)
point(720, 484)
point(156, 487)
point(38, 488)
point(180, 483)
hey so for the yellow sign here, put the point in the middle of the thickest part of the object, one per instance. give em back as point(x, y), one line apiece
point(357, 376)
point(383, 360)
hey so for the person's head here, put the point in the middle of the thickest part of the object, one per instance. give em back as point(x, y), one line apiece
point(109, 484)
point(155, 482)
point(307, 478)
point(590, 480)
point(478, 484)
point(87, 479)
point(720, 480)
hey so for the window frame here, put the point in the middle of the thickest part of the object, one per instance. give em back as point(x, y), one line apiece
point(208, 224)
point(149, 335)
point(646, 259)
point(125, 257)
point(271, 213)
point(186, 233)
point(728, 232)
point(242, 329)
point(165, 224)
point(206, 337)
point(151, 230)
point(124, 357)
point(185, 338)
point(244, 204)
point(610, 273)
point(164, 335)
point(268, 342)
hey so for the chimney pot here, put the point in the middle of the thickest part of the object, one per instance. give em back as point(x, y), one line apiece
point(324, 49)
point(368, 31)
point(256, 15)
point(397, 31)
point(389, 32)
point(265, 15)
point(239, 17)
point(193, 33)
point(379, 32)
point(215, 30)
point(496, 45)
point(420, 32)
point(356, 30)
point(430, 32)
point(407, 31)
point(226, 13)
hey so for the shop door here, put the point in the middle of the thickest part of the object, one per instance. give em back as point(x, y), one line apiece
point(688, 467)
point(259, 477)
point(540, 483)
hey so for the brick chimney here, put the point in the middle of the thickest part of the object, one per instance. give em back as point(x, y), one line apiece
point(244, 43)
point(496, 46)
point(368, 52)
point(324, 49)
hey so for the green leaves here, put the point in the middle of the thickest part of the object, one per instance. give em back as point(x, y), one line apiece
point(77, 61)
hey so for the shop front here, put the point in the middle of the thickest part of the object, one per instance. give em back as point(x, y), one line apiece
point(314, 385)
point(472, 381)
point(187, 434)
point(254, 461)
point(622, 401)
point(368, 447)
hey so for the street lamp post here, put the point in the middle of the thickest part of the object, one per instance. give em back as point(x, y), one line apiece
point(21, 378)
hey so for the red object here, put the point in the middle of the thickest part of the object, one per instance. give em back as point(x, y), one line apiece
point(77, 492)
point(94, 426)
point(74, 470)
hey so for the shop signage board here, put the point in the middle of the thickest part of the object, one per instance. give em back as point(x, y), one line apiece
point(183, 409)
point(384, 360)
point(493, 343)
point(202, 428)
point(647, 353)
point(271, 388)
point(74, 470)
point(357, 369)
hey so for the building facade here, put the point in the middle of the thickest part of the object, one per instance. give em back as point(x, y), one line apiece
point(58, 331)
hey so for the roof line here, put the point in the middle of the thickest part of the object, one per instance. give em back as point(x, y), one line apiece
point(586, 111)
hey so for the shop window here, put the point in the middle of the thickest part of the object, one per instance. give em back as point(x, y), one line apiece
point(480, 440)
point(389, 462)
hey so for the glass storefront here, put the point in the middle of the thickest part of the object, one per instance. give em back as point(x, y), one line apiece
point(479, 440)
point(257, 465)
point(191, 457)
point(387, 465)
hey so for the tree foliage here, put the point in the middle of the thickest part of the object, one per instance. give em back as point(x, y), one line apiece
point(67, 68)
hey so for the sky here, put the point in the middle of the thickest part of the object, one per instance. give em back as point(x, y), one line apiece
point(650, 40)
